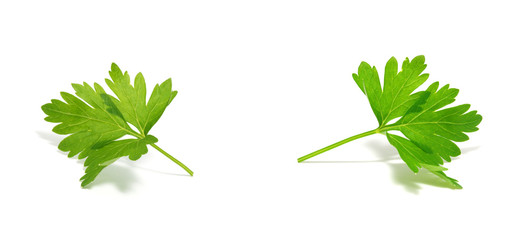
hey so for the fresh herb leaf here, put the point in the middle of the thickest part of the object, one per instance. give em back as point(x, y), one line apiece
point(96, 122)
point(429, 128)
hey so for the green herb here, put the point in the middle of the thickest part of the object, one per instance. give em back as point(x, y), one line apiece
point(97, 125)
point(430, 130)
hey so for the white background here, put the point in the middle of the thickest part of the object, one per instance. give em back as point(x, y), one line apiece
point(260, 84)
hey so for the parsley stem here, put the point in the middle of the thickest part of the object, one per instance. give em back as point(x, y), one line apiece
point(173, 159)
point(334, 145)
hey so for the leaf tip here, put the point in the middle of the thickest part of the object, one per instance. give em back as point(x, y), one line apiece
point(364, 64)
point(419, 58)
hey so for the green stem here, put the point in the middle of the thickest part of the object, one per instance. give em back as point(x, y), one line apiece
point(334, 145)
point(173, 159)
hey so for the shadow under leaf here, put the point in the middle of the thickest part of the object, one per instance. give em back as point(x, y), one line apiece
point(52, 138)
point(401, 173)
point(119, 176)
point(410, 181)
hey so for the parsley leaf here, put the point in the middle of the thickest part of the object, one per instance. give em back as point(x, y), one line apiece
point(96, 122)
point(429, 128)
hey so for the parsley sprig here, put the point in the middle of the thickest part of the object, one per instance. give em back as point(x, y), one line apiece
point(429, 128)
point(97, 123)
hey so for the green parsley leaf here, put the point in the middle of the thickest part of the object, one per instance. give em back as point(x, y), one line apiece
point(96, 122)
point(429, 128)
